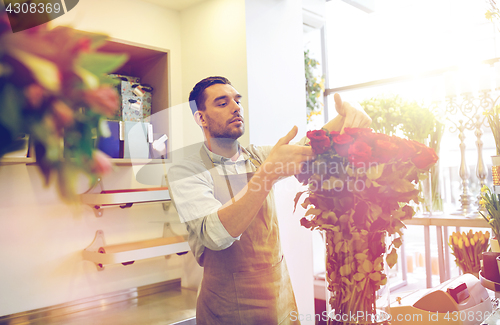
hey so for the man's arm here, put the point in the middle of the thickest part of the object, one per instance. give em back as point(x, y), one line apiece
point(284, 160)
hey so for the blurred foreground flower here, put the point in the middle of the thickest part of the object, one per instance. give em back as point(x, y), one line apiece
point(53, 87)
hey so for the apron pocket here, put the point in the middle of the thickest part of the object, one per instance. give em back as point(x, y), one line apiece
point(264, 296)
point(216, 303)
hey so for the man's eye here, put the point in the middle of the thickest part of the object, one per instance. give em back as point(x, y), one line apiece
point(222, 104)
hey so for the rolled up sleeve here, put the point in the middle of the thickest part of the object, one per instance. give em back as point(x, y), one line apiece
point(192, 192)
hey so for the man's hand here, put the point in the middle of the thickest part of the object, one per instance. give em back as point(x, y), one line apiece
point(352, 117)
point(349, 117)
point(285, 159)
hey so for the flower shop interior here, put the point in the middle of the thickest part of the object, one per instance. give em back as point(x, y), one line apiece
point(111, 249)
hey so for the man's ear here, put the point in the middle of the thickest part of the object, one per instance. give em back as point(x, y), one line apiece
point(199, 118)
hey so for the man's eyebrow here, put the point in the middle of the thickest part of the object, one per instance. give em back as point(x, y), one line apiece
point(238, 96)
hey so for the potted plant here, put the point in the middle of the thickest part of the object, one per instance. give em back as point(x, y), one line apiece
point(314, 87)
point(468, 249)
point(489, 201)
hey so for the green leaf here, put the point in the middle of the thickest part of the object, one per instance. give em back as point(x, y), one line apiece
point(392, 258)
point(403, 186)
point(397, 242)
point(374, 172)
point(100, 63)
point(313, 211)
point(358, 277)
point(332, 183)
point(297, 196)
point(367, 266)
point(11, 102)
point(90, 80)
point(44, 71)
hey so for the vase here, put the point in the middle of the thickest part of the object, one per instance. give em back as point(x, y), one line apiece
point(425, 186)
point(495, 170)
point(489, 267)
point(357, 282)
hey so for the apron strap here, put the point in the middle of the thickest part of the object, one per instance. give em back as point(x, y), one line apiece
point(209, 164)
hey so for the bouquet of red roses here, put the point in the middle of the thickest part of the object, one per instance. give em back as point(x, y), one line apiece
point(359, 189)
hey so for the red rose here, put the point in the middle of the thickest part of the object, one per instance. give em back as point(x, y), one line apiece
point(341, 143)
point(386, 148)
point(360, 154)
point(354, 132)
point(320, 142)
point(425, 157)
point(406, 151)
point(101, 163)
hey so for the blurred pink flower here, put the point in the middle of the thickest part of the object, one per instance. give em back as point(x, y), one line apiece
point(34, 95)
point(103, 100)
point(63, 114)
point(101, 163)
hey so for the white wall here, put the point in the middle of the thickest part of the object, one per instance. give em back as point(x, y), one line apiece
point(213, 44)
point(276, 103)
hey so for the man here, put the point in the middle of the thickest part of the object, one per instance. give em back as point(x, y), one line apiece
point(224, 194)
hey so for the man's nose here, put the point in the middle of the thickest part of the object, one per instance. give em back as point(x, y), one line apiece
point(235, 107)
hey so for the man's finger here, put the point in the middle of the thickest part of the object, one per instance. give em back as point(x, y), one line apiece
point(350, 115)
point(338, 104)
point(290, 135)
point(366, 122)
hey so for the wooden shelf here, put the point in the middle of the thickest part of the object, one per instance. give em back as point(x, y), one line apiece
point(17, 160)
point(102, 254)
point(124, 198)
point(131, 162)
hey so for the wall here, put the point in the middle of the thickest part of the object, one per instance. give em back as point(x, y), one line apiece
point(213, 43)
point(41, 239)
point(276, 103)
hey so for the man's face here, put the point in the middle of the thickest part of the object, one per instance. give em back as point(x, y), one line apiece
point(223, 113)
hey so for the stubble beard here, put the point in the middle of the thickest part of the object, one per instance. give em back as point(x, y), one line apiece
point(219, 132)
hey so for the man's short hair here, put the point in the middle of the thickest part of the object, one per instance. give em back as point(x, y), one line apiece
point(197, 96)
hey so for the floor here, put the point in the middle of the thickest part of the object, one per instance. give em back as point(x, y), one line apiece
point(160, 308)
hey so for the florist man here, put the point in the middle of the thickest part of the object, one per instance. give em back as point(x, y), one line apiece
point(224, 194)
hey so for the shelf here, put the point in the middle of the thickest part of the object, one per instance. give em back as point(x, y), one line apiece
point(17, 160)
point(131, 162)
point(101, 254)
point(124, 198)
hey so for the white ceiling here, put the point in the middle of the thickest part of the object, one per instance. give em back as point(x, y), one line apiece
point(174, 4)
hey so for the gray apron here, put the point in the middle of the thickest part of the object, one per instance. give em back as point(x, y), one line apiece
point(248, 282)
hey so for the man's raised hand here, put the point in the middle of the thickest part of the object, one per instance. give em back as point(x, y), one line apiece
point(351, 117)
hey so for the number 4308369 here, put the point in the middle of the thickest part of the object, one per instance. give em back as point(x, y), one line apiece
point(25, 8)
